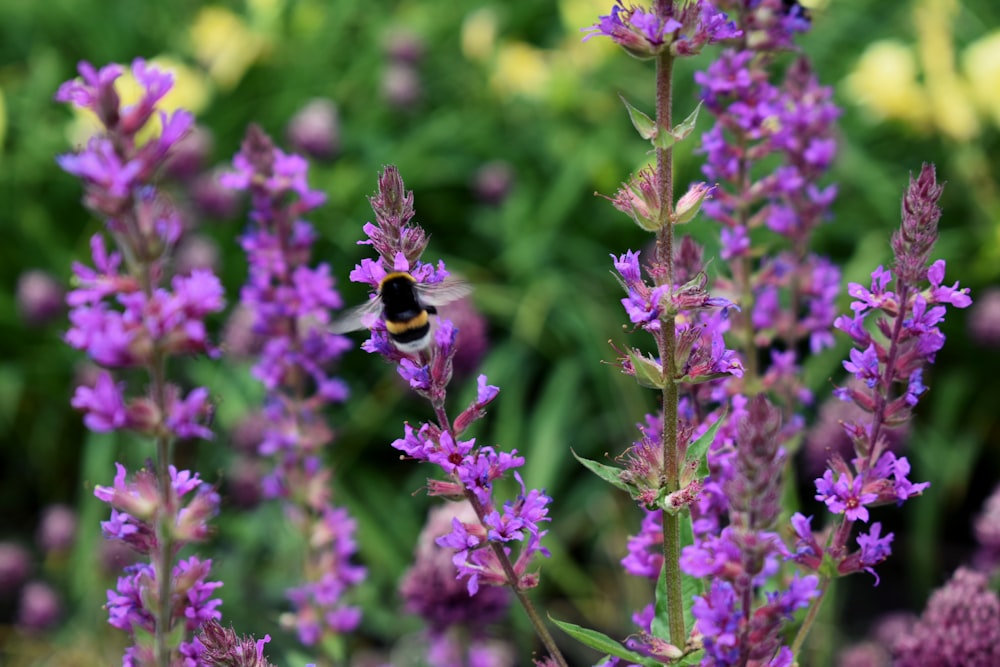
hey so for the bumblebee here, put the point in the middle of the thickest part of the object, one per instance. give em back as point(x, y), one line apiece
point(404, 306)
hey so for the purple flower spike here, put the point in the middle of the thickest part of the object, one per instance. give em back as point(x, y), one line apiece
point(290, 301)
point(645, 34)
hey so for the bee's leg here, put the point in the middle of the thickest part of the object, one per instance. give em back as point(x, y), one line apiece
point(431, 309)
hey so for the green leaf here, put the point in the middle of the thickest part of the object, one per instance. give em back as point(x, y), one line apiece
point(603, 643)
point(660, 626)
point(828, 567)
point(690, 586)
point(663, 140)
point(609, 474)
point(642, 123)
point(648, 371)
point(693, 658)
point(685, 127)
point(696, 450)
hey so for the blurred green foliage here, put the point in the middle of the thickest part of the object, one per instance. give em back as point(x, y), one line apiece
point(532, 98)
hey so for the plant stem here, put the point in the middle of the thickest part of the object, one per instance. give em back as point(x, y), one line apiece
point(667, 344)
point(512, 581)
point(800, 637)
point(163, 556)
point(444, 423)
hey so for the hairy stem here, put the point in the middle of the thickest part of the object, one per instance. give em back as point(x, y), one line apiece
point(163, 555)
point(667, 348)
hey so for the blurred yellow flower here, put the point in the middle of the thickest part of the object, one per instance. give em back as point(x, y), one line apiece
point(522, 69)
point(951, 107)
point(885, 77)
point(224, 44)
point(885, 81)
point(579, 14)
point(479, 34)
point(981, 65)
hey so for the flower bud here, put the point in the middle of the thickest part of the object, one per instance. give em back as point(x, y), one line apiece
point(39, 297)
point(57, 529)
point(39, 608)
point(640, 198)
point(315, 129)
point(689, 205)
point(15, 566)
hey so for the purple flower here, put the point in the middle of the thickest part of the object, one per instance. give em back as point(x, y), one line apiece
point(645, 33)
point(125, 607)
point(193, 605)
point(844, 496)
point(874, 548)
point(184, 415)
point(95, 91)
point(645, 549)
point(639, 31)
point(100, 166)
point(717, 616)
point(954, 296)
point(221, 647)
point(864, 365)
point(418, 376)
point(806, 548)
point(902, 487)
point(315, 129)
point(450, 453)
point(38, 609)
point(735, 242)
point(104, 404)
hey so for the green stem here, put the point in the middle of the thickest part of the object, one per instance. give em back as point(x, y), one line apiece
point(513, 582)
point(800, 637)
point(164, 530)
point(667, 344)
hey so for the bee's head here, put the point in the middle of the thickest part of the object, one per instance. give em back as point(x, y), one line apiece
point(396, 282)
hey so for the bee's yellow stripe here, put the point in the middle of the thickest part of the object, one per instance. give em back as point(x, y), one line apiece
point(398, 327)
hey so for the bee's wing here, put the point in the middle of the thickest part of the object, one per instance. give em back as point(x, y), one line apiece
point(358, 317)
point(448, 290)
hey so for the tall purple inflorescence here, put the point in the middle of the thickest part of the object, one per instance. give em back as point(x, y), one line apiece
point(290, 302)
point(767, 152)
point(500, 546)
point(744, 555)
point(888, 361)
point(129, 312)
point(668, 297)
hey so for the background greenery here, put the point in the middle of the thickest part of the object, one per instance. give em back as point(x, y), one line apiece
point(501, 81)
